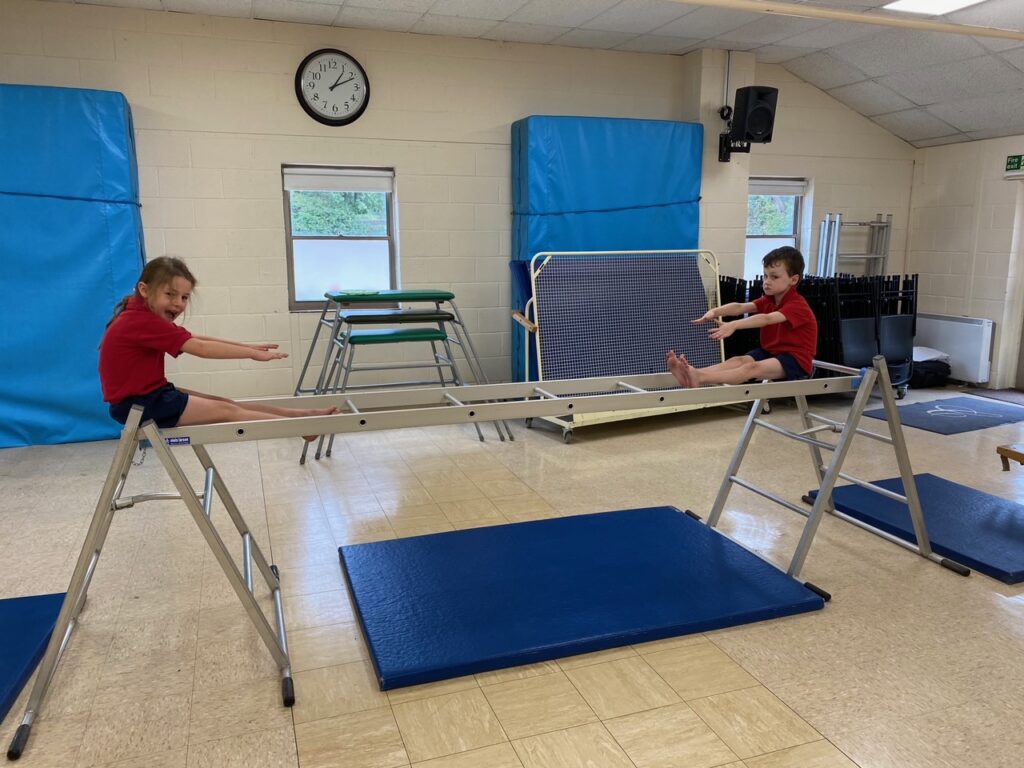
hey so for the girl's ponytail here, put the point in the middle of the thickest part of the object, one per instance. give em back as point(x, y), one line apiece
point(119, 308)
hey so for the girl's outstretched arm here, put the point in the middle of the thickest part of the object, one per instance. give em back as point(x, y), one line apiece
point(259, 345)
point(216, 349)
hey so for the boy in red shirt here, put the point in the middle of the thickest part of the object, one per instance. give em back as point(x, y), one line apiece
point(789, 331)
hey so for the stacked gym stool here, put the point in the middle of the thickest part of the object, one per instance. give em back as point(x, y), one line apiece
point(441, 324)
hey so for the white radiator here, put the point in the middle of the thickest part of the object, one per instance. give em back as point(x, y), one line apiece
point(967, 341)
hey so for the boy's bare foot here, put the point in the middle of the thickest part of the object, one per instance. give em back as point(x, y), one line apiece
point(317, 412)
point(692, 374)
point(677, 367)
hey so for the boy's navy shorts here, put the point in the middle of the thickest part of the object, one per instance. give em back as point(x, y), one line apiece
point(789, 364)
point(164, 406)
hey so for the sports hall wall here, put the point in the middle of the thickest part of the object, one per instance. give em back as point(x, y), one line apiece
point(215, 117)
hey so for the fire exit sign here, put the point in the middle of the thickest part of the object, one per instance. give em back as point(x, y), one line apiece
point(1013, 162)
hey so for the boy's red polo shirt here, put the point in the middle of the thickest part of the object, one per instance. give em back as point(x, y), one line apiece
point(798, 336)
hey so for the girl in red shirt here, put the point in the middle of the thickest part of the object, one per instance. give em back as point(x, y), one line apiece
point(143, 330)
point(789, 331)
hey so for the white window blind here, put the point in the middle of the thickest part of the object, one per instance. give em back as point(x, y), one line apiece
point(778, 186)
point(338, 179)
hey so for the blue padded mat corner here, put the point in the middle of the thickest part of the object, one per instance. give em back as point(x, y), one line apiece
point(449, 604)
point(977, 529)
point(954, 415)
point(25, 627)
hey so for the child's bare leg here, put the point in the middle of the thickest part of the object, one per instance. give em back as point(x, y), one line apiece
point(270, 409)
point(740, 374)
point(201, 409)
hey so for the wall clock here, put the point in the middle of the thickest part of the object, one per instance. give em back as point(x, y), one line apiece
point(332, 87)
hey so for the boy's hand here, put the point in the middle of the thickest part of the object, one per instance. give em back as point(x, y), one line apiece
point(706, 317)
point(724, 331)
point(264, 347)
point(265, 355)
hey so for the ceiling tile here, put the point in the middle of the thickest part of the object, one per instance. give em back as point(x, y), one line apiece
point(776, 54)
point(728, 45)
point(558, 13)
point(407, 6)
point(831, 34)
point(992, 133)
point(869, 98)
point(913, 124)
point(901, 50)
point(147, 5)
point(511, 32)
point(637, 16)
point(956, 80)
point(593, 38)
point(432, 24)
point(294, 11)
point(982, 113)
point(497, 10)
point(1002, 14)
point(1014, 57)
point(660, 44)
point(368, 18)
point(238, 8)
point(771, 28)
point(822, 70)
point(956, 138)
point(707, 22)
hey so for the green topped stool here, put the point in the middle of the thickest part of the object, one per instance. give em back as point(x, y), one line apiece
point(347, 332)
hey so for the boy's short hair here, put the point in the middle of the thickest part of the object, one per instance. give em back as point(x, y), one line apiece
point(788, 256)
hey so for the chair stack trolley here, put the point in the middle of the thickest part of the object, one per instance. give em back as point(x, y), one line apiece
point(464, 405)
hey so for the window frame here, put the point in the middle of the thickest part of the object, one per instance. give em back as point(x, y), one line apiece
point(782, 186)
point(335, 172)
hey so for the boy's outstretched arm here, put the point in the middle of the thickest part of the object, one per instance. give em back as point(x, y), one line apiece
point(726, 310)
point(753, 321)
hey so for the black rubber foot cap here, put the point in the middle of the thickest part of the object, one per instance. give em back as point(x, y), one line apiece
point(287, 691)
point(18, 742)
point(818, 591)
point(691, 513)
point(963, 570)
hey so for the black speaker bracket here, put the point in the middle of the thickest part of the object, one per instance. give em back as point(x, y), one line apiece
point(727, 146)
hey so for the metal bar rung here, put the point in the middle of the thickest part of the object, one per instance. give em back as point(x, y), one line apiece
point(812, 430)
point(770, 496)
point(247, 559)
point(794, 435)
point(131, 501)
point(451, 398)
point(351, 406)
point(841, 425)
point(876, 488)
point(630, 387)
point(208, 492)
point(545, 393)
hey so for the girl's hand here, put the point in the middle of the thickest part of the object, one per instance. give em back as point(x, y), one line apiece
point(724, 331)
point(264, 347)
point(706, 317)
point(265, 355)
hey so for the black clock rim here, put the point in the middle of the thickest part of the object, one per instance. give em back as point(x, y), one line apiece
point(319, 117)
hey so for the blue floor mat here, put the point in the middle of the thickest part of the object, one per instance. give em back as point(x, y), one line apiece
point(954, 415)
point(25, 627)
point(449, 604)
point(976, 529)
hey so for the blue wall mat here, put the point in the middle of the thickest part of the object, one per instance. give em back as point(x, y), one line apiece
point(449, 604)
point(600, 184)
point(954, 415)
point(70, 247)
point(25, 627)
point(977, 529)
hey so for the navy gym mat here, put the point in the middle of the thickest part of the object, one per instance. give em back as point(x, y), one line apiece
point(976, 529)
point(449, 604)
point(25, 627)
point(954, 415)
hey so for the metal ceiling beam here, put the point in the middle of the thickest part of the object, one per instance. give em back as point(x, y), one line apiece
point(812, 12)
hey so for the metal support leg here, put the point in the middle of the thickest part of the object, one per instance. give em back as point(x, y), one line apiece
point(457, 377)
point(80, 579)
point(734, 464)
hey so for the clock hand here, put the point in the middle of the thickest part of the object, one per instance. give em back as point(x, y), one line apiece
point(341, 82)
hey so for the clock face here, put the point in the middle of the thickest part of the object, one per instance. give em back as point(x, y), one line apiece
point(332, 87)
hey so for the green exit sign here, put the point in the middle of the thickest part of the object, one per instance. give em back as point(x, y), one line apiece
point(1013, 162)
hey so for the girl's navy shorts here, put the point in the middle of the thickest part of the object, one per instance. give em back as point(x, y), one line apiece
point(164, 406)
point(789, 364)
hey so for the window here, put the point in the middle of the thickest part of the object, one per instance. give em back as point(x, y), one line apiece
point(341, 232)
point(774, 216)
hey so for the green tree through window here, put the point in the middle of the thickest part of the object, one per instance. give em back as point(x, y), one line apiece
point(328, 213)
point(771, 215)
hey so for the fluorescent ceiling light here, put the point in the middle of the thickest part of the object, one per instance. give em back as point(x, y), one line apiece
point(930, 7)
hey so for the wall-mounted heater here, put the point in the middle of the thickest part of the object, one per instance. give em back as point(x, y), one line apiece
point(967, 341)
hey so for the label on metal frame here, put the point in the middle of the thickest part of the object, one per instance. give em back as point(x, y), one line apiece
point(178, 440)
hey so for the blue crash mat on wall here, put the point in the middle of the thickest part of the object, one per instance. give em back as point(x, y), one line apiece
point(449, 604)
point(70, 247)
point(25, 627)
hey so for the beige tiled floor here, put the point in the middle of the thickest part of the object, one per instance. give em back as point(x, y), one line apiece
point(909, 666)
